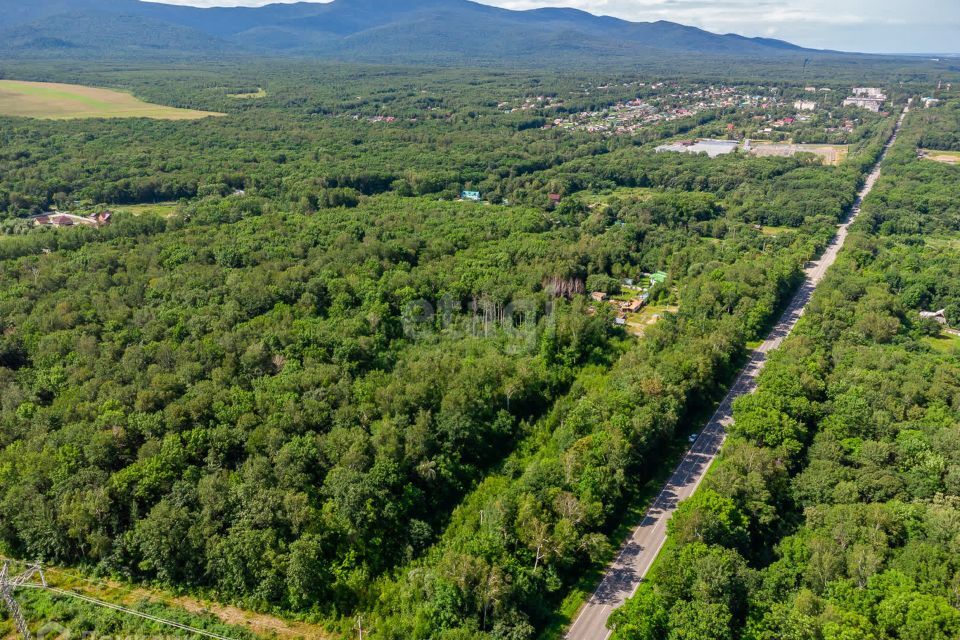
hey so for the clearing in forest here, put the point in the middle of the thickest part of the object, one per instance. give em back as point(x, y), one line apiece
point(638, 323)
point(162, 209)
point(832, 154)
point(259, 93)
point(53, 101)
point(773, 232)
point(946, 157)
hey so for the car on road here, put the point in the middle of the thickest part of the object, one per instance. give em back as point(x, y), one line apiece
point(693, 437)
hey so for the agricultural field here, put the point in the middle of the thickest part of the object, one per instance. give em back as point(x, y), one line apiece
point(56, 101)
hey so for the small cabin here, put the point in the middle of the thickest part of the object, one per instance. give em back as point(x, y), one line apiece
point(470, 195)
point(937, 316)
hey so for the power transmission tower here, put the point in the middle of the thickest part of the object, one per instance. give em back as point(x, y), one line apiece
point(9, 584)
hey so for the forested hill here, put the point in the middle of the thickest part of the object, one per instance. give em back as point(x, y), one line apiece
point(429, 31)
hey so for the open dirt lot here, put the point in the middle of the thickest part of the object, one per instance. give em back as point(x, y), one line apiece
point(831, 154)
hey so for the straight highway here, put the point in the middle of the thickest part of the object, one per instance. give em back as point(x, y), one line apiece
point(623, 576)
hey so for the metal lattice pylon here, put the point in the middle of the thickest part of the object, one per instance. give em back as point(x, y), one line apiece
point(9, 584)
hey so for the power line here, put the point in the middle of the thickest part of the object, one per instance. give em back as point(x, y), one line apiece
point(8, 585)
point(100, 582)
point(133, 612)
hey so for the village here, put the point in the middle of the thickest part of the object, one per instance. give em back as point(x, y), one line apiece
point(624, 118)
point(816, 124)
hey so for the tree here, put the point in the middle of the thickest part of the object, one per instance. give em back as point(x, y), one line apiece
point(642, 617)
point(710, 518)
point(755, 420)
point(165, 543)
point(308, 577)
point(699, 621)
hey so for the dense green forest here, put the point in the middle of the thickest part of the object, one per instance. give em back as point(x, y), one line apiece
point(319, 138)
point(939, 128)
point(324, 386)
point(833, 510)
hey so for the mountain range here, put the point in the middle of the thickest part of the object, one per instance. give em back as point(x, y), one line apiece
point(405, 31)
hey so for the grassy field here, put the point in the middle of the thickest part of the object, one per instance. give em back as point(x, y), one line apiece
point(945, 157)
point(162, 209)
point(944, 343)
point(53, 101)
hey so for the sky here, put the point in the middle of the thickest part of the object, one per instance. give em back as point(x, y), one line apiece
point(876, 26)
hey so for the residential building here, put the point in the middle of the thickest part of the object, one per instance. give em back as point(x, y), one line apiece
point(870, 104)
point(869, 92)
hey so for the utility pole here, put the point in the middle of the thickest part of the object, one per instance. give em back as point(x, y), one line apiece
point(360, 626)
point(9, 584)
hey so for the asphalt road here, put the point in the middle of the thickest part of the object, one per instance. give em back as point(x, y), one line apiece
point(623, 576)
